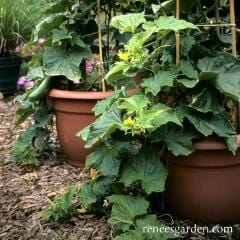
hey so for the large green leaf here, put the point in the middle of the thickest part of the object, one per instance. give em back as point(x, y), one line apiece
point(213, 64)
point(60, 34)
point(224, 70)
point(57, 6)
point(229, 82)
point(34, 73)
point(117, 71)
point(160, 79)
point(148, 120)
point(147, 169)
point(187, 42)
point(105, 159)
point(135, 103)
point(125, 209)
point(172, 24)
point(48, 24)
point(59, 63)
point(128, 22)
point(206, 101)
point(188, 70)
point(178, 140)
point(209, 124)
point(103, 126)
point(188, 83)
point(103, 105)
point(165, 115)
point(136, 43)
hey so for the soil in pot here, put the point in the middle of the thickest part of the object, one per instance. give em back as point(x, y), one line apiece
point(9, 72)
point(204, 186)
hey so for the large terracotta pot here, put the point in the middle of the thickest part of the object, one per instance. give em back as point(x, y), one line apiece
point(73, 110)
point(205, 186)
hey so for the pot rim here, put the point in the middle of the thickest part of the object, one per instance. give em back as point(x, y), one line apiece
point(66, 94)
point(83, 95)
point(213, 143)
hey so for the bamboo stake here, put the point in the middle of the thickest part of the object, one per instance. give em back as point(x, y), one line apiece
point(217, 15)
point(216, 25)
point(233, 28)
point(177, 34)
point(234, 42)
point(100, 44)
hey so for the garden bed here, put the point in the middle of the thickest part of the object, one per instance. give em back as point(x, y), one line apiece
point(25, 192)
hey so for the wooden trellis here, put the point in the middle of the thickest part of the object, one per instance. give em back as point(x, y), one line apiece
point(231, 25)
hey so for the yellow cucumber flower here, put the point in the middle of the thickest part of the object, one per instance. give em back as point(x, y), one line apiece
point(128, 121)
point(93, 173)
point(123, 56)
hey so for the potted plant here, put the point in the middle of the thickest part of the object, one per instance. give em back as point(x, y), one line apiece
point(199, 143)
point(16, 23)
point(177, 106)
point(68, 66)
point(185, 115)
point(126, 170)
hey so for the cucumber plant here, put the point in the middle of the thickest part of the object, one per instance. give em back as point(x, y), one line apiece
point(175, 105)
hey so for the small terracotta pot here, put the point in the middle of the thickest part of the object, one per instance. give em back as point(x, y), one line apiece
point(73, 110)
point(205, 186)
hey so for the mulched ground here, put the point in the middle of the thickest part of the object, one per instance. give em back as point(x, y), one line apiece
point(24, 194)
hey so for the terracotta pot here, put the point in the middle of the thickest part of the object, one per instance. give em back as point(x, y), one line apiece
point(73, 110)
point(205, 186)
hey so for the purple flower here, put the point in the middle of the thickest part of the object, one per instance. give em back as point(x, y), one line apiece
point(22, 80)
point(41, 41)
point(24, 83)
point(89, 66)
point(28, 84)
point(18, 48)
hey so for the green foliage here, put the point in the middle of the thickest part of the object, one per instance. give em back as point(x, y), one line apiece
point(135, 103)
point(62, 207)
point(28, 147)
point(125, 209)
point(58, 63)
point(94, 190)
point(174, 105)
point(136, 56)
point(206, 101)
point(177, 140)
point(146, 169)
point(107, 123)
point(59, 49)
point(106, 158)
point(128, 22)
point(160, 79)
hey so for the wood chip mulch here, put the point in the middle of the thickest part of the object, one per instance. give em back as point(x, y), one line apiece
point(25, 193)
